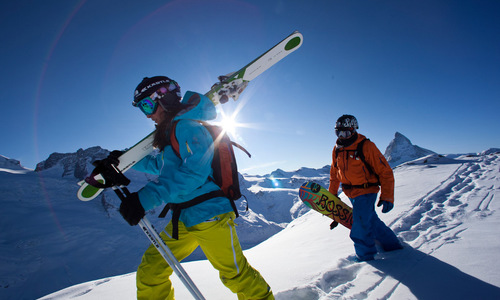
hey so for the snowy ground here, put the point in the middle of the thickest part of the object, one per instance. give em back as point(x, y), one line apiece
point(446, 213)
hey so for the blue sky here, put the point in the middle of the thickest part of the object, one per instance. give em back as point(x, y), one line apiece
point(428, 69)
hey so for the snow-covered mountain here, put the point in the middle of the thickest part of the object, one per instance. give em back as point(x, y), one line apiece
point(12, 165)
point(446, 214)
point(401, 150)
point(50, 240)
point(77, 165)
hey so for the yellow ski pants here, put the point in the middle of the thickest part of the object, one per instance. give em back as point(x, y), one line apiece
point(219, 241)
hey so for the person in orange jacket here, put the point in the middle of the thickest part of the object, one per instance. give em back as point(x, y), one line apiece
point(363, 171)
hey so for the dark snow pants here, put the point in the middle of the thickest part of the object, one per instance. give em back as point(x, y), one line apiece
point(367, 228)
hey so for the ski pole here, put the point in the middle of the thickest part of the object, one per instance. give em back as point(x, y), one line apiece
point(163, 249)
point(167, 254)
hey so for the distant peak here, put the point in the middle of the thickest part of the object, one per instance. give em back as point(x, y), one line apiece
point(401, 150)
point(72, 164)
point(10, 163)
point(400, 137)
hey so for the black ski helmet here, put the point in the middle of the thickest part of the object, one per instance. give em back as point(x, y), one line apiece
point(346, 121)
point(149, 85)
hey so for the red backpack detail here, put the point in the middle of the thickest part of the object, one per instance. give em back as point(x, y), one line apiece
point(225, 172)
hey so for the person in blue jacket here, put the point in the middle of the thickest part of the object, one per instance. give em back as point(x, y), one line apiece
point(209, 224)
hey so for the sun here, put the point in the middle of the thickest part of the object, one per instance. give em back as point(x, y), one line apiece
point(229, 124)
point(227, 118)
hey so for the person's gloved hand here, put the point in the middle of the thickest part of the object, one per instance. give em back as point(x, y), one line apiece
point(111, 174)
point(386, 206)
point(112, 159)
point(131, 209)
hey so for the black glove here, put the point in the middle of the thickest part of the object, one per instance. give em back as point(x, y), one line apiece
point(131, 209)
point(112, 159)
point(333, 225)
point(108, 172)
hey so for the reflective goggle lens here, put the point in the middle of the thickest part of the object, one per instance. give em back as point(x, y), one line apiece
point(148, 106)
point(343, 132)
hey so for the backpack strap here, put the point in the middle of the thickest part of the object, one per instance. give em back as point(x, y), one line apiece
point(359, 153)
point(336, 155)
point(241, 148)
point(177, 207)
point(359, 186)
point(361, 156)
point(173, 140)
point(175, 143)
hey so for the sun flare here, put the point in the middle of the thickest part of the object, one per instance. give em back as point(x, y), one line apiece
point(229, 124)
point(228, 118)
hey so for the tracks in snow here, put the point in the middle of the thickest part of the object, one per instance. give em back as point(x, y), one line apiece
point(435, 220)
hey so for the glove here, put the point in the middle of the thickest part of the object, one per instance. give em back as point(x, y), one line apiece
point(112, 159)
point(386, 206)
point(111, 175)
point(131, 209)
point(333, 225)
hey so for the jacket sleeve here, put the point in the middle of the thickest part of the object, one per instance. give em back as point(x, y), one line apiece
point(381, 167)
point(334, 181)
point(181, 177)
point(150, 164)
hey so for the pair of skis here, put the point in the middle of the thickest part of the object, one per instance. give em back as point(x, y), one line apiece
point(229, 86)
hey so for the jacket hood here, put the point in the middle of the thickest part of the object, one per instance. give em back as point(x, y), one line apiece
point(197, 107)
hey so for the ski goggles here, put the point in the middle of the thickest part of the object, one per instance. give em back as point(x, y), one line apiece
point(343, 133)
point(149, 105)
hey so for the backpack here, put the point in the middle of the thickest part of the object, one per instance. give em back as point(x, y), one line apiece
point(358, 153)
point(225, 173)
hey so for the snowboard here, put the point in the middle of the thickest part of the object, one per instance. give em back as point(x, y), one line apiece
point(228, 86)
point(321, 200)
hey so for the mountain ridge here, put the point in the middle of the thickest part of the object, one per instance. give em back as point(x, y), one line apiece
point(54, 221)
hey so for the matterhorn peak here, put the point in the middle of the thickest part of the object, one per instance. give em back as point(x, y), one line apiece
point(401, 139)
point(401, 150)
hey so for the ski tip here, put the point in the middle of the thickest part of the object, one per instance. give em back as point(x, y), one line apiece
point(87, 192)
point(295, 41)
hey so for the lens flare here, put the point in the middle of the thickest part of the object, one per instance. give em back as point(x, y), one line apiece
point(275, 182)
point(229, 124)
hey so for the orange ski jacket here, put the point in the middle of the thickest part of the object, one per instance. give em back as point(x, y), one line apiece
point(348, 169)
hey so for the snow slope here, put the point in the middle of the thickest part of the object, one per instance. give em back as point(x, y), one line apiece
point(446, 213)
point(50, 240)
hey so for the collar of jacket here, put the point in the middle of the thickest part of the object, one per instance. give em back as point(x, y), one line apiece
point(344, 143)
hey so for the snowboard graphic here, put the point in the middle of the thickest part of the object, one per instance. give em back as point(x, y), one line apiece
point(229, 86)
point(321, 200)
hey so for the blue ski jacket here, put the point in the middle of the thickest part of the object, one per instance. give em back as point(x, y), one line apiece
point(182, 179)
